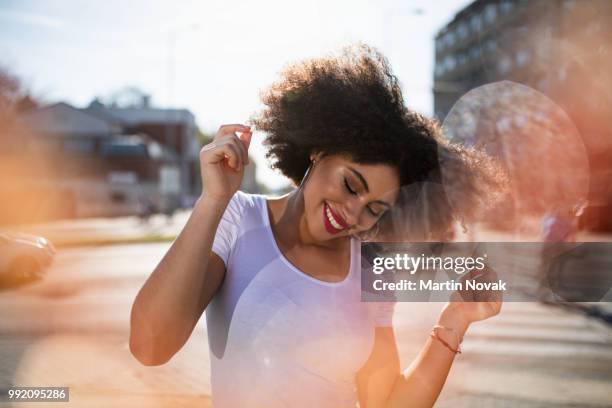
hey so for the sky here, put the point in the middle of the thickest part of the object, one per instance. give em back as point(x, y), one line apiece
point(212, 57)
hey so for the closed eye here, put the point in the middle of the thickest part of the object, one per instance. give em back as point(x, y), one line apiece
point(375, 214)
point(353, 192)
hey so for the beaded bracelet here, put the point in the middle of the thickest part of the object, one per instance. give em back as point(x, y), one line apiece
point(450, 329)
point(434, 335)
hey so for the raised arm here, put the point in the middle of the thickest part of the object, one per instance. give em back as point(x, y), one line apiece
point(380, 384)
point(420, 385)
point(175, 295)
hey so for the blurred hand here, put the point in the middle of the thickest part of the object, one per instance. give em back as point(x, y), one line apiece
point(469, 306)
point(222, 162)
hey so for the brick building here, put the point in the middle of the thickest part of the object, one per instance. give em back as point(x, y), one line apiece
point(561, 48)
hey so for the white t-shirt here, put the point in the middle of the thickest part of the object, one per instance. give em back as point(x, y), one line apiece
point(279, 337)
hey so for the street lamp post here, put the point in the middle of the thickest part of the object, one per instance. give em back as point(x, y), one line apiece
point(388, 22)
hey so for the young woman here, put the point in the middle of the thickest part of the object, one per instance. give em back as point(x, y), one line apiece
point(279, 277)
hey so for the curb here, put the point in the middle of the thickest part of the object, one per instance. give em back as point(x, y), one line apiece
point(102, 241)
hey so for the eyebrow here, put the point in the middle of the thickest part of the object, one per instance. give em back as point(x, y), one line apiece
point(365, 185)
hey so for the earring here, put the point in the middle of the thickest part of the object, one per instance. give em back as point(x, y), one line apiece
point(308, 170)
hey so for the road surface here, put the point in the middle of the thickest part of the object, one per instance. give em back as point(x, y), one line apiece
point(71, 329)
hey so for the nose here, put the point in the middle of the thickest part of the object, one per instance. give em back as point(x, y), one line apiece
point(352, 211)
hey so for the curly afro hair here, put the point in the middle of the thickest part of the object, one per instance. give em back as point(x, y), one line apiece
point(351, 104)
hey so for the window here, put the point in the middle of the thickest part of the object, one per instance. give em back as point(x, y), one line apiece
point(124, 150)
point(490, 45)
point(462, 31)
point(474, 52)
point(122, 177)
point(504, 65)
point(520, 120)
point(503, 124)
point(79, 146)
point(118, 197)
point(461, 59)
point(490, 14)
point(450, 38)
point(450, 63)
point(475, 22)
point(506, 6)
point(522, 57)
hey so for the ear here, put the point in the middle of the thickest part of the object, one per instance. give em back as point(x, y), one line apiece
point(316, 156)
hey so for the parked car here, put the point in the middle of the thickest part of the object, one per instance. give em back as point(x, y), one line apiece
point(23, 257)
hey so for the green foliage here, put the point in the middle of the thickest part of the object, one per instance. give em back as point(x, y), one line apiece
point(203, 137)
point(14, 97)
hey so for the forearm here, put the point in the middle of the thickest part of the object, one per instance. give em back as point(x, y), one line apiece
point(162, 314)
point(422, 382)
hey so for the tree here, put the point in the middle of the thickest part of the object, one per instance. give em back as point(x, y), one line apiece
point(203, 137)
point(125, 97)
point(14, 97)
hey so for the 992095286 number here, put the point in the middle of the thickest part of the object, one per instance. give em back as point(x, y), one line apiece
point(36, 394)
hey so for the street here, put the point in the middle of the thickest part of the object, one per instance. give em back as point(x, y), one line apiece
point(71, 329)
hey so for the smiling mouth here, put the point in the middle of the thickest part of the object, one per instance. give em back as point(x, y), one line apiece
point(333, 223)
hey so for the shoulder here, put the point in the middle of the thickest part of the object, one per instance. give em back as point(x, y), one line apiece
point(243, 205)
point(242, 201)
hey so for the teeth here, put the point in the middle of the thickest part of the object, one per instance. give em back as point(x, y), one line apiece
point(331, 219)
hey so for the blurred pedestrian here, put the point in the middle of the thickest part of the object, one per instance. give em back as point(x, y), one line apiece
point(146, 209)
point(558, 229)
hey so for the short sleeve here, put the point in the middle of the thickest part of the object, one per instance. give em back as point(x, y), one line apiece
point(383, 316)
point(228, 229)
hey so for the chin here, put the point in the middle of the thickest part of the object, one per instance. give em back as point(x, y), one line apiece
point(319, 230)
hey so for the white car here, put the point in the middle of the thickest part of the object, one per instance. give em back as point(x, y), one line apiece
point(23, 257)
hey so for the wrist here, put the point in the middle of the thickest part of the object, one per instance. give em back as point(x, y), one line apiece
point(452, 318)
point(208, 204)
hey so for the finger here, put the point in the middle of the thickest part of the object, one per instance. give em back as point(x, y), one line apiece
point(228, 152)
point(245, 139)
point(229, 129)
point(209, 146)
point(232, 136)
point(234, 161)
point(235, 125)
point(243, 154)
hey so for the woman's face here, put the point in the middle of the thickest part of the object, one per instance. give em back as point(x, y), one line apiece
point(343, 198)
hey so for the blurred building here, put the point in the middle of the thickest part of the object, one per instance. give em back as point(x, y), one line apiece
point(103, 160)
point(104, 164)
point(175, 129)
point(562, 48)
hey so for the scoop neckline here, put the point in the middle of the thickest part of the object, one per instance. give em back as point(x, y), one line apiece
point(287, 262)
